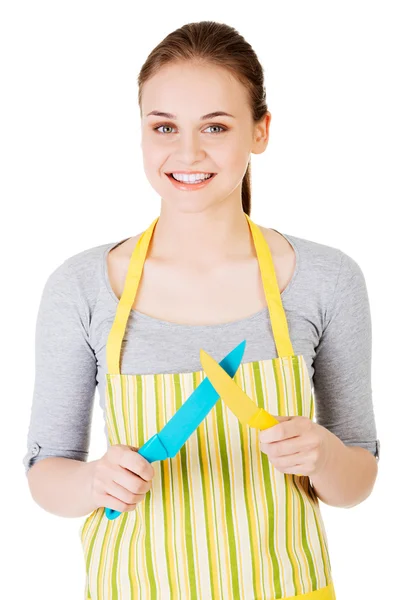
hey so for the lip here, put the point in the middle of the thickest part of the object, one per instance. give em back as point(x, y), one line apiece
point(189, 187)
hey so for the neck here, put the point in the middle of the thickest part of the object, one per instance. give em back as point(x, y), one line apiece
point(218, 233)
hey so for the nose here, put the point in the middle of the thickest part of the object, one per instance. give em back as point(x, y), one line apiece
point(190, 148)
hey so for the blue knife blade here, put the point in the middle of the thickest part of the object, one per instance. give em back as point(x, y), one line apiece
point(167, 442)
point(192, 412)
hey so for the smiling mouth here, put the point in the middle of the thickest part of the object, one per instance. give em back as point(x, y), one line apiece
point(201, 180)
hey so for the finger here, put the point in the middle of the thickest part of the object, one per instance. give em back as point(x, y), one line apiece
point(293, 463)
point(131, 482)
point(115, 504)
point(288, 447)
point(135, 462)
point(124, 495)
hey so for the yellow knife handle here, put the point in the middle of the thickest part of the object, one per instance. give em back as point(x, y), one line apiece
point(262, 420)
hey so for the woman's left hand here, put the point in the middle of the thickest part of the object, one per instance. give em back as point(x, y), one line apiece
point(296, 445)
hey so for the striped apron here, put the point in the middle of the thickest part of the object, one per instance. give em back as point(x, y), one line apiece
point(220, 522)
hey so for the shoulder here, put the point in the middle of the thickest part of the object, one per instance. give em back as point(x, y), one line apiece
point(82, 264)
point(323, 272)
point(322, 258)
point(77, 280)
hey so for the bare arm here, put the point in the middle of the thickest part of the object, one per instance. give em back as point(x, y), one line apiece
point(62, 486)
point(73, 488)
point(348, 477)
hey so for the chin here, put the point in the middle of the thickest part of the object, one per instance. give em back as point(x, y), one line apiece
point(189, 204)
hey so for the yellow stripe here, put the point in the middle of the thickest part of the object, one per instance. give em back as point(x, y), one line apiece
point(291, 394)
point(263, 505)
point(218, 477)
point(186, 391)
point(210, 513)
point(247, 436)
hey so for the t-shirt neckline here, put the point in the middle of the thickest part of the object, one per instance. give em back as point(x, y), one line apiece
point(142, 316)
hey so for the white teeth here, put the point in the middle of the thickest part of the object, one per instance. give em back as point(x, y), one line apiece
point(190, 178)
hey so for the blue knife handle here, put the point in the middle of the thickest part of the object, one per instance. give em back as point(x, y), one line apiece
point(152, 450)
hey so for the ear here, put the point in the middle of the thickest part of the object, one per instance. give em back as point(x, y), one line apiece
point(261, 134)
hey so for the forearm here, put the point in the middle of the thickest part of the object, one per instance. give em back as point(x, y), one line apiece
point(62, 486)
point(348, 476)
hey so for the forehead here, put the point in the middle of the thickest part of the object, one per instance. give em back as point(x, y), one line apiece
point(193, 89)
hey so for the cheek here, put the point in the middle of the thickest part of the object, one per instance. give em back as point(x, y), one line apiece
point(152, 151)
point(153, 162)
point(233, 157)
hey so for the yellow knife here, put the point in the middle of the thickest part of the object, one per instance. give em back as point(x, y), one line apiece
point(246, 410)
point(234, 397)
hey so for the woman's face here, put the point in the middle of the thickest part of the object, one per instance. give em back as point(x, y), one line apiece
point(183, 141)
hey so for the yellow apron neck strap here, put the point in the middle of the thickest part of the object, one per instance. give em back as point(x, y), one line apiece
point(131, 286)
point(280, 329)
point(277, 315)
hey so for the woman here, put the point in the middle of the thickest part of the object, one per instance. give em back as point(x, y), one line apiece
point(229, 516)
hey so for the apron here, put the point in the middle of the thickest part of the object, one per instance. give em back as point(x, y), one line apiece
point(220, 522)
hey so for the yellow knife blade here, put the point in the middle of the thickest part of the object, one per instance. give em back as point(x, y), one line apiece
point(245, 409)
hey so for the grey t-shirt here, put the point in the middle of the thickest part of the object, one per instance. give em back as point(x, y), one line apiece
point(327, 309)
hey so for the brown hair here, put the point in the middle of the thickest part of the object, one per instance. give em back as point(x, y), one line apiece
point(221, 45)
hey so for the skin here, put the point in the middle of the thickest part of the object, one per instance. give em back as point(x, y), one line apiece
point(201, 267)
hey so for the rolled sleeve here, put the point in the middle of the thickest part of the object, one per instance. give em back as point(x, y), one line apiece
point(65, 373)
point(342, 363)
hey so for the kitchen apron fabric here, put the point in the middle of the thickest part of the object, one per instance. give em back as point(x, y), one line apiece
point(220, 522)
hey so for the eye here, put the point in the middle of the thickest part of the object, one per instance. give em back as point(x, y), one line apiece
point(219, 126)
point(164, 125)
point(159, 127)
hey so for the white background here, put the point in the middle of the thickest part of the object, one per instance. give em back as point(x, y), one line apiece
point(72, 178)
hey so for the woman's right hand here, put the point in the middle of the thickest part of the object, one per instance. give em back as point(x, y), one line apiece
point(120, 479)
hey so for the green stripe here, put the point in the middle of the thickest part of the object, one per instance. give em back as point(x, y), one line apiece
point(300, 569)
point(276, 571)
point(208, 523)
point(187, 503)
point(131, 554)
point(297, 379)
point(175, 502)
point(91, 545)
point(214, 486)
point(228, 505)
point(246, 483)
point(124, 399)
point(314, 503)
point(103, 549)
point(110, 393)
point(306, 547)
point(165, 465)
point(114, 583)
point(291, 534)
point(147, 499)
point(140, 416)
point(259, 400)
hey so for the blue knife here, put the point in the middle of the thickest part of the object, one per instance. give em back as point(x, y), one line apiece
point(167, 442)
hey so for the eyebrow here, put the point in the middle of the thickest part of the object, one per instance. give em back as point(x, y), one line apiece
point(217, 113)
